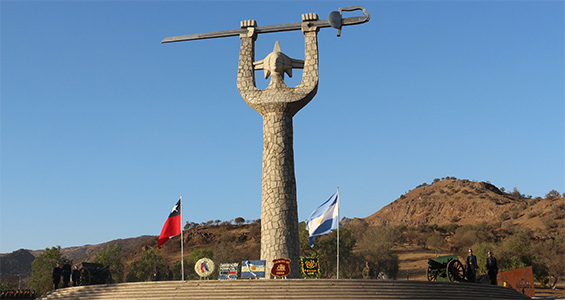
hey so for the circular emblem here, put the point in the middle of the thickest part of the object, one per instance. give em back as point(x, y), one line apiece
point(204, 267)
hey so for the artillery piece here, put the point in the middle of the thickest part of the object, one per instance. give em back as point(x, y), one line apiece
point(93, 273)
point(445, 268)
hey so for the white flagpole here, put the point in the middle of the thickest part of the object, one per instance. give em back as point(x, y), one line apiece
point(181, 241)
point(338, 232)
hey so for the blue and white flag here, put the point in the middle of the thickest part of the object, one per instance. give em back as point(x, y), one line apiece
point(324, 219)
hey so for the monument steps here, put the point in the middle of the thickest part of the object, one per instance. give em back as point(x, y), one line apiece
point(287, 289)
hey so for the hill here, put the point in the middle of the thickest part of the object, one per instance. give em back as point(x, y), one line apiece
point(228, 242)
point(88, 252)
point(15, 264)
point(462, 202)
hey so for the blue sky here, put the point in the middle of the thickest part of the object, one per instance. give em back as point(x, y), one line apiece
point(103, 127)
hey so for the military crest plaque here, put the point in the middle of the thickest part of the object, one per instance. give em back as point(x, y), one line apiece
point(281, 267)
point(310, 266)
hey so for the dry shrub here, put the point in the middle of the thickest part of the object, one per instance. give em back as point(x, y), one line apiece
point(505, 215)
point(549, 222)
point(509, 226)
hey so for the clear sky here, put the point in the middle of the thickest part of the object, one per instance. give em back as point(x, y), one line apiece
point(103, 127)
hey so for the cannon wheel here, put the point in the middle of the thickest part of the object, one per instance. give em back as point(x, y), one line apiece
point(84, 276)
point(431, 274)
point(551, 282)
point(455, 271)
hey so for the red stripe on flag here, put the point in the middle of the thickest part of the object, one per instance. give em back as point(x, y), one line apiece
point(171, 228)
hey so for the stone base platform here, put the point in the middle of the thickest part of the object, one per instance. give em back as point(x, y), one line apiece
point(288, 289)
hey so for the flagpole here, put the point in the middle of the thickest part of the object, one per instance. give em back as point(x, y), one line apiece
point(181, 241)
point(338, 232)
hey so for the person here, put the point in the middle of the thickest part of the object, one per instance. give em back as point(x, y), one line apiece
point(366, 271)
point(492, 268)
point(75, 275)
point(56, 276)
point(156, 276)
point(66, 274)
point(169, 274)
point(471, 266)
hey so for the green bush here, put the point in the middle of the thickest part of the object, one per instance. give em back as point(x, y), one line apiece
point(467, 236)
point(448, 228)
point(112, 256)
point(145, 266)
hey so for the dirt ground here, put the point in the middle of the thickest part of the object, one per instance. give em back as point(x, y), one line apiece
point(545, 293)
point(413, 262)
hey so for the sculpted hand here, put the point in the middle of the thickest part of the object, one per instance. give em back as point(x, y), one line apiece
point(309, 17)
point(248, 23)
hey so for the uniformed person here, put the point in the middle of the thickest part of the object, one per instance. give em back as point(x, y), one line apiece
point(66, 274)
point(471, 266)
point(492, 268)
point(56, 276)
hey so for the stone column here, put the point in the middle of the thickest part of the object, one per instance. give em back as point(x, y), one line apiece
point(279, 213)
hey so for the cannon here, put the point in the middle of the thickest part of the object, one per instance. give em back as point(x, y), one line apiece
point(445, 268)
point(93, 273)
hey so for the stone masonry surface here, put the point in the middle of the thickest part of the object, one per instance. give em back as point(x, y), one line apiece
point(277, 104)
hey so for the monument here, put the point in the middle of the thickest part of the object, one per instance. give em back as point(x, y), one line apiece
point(278, 104)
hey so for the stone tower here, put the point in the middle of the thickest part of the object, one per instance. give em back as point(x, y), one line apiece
point(277, 104)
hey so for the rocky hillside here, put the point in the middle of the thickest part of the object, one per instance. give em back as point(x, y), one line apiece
point(15, 264)
point(228, 242)
point(461, 202)
point(87, 253)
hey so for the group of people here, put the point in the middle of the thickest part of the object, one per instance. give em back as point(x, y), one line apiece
point(472, 266)
point(66, 273)
point(17, 294)
point(158, 276)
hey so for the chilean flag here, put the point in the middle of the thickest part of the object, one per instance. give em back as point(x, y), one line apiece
point(172, 226)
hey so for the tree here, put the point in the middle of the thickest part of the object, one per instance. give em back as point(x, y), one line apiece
point(466, 236)
point(41, 269)
point(197, 254)
point(190, 225)
point(516, 192)
point(516, 251)
point(239, 220)
point(143, 268)
point(376, 247)
point(549, 252)
point(112, 256)
point(481, 251)
point(436, 241)
point(552, 194)
point(325, 248)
